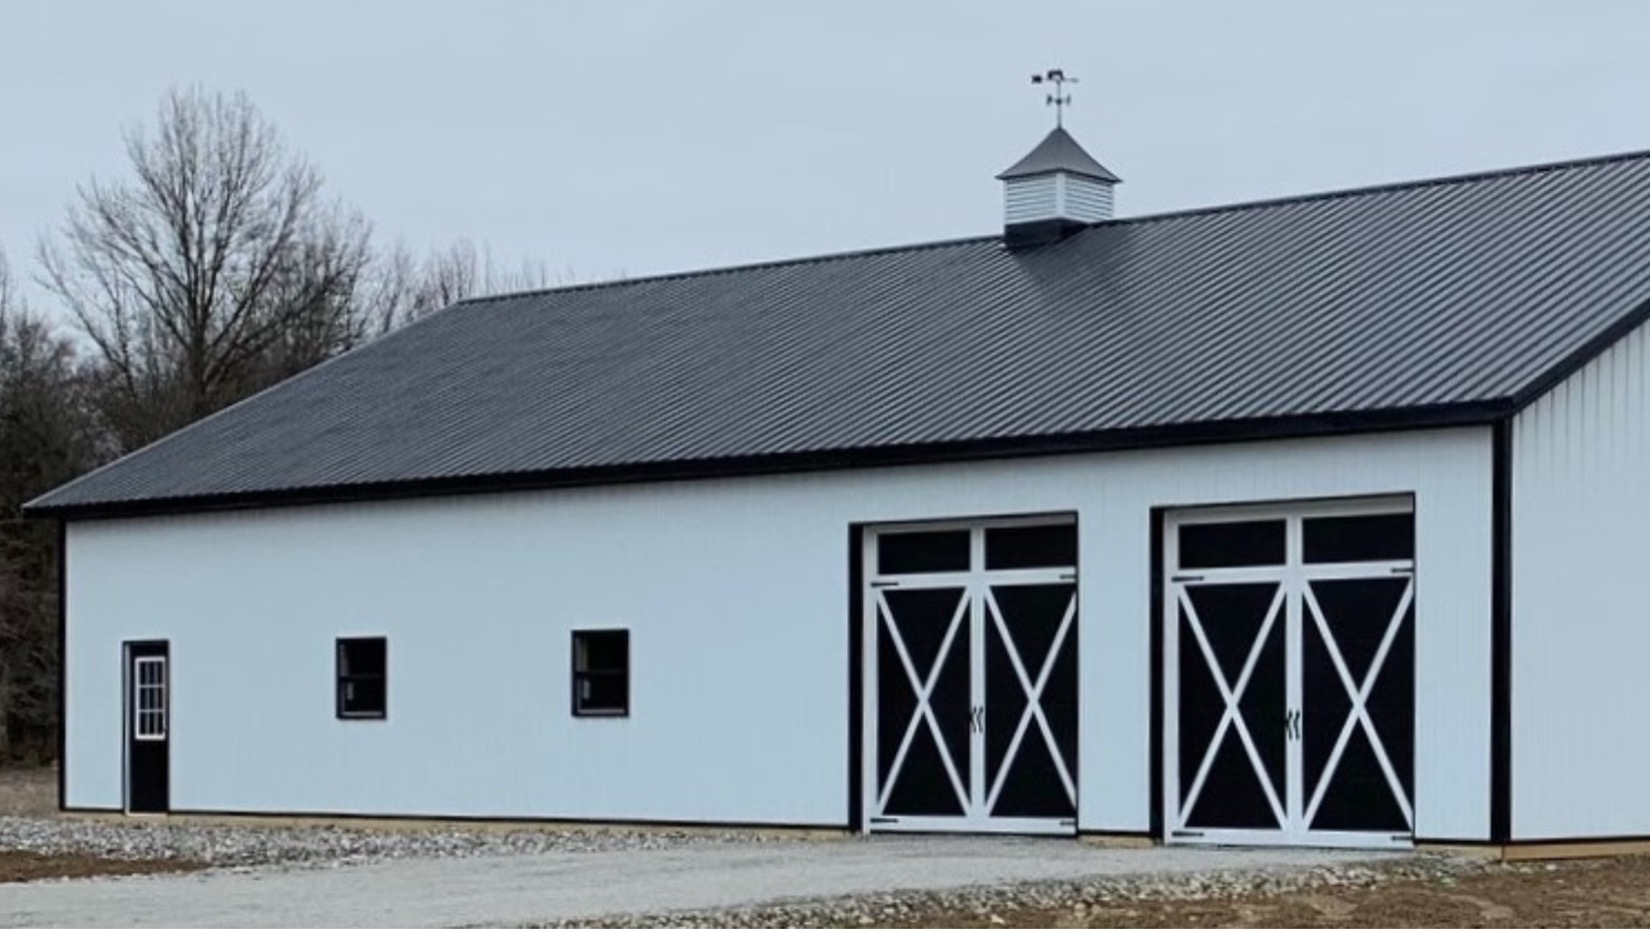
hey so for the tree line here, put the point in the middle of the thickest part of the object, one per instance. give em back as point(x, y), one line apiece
point(217, 265)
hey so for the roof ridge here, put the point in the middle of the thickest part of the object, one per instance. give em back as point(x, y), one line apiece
point(1264, 203)
point(733, 269)
point(1384, 187)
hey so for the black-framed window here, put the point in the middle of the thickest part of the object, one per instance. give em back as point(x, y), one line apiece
point(363, 664)
point(601, 673)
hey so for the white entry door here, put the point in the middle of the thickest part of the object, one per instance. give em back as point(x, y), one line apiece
point(1290, 675)
point(970, 674)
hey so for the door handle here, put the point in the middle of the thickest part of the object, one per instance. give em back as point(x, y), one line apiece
point(1292, 724)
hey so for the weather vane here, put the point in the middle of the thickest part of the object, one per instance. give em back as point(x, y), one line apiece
point(1060, 99)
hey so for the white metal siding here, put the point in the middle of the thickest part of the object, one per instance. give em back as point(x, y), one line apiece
point(1027, 200)
point(1581, 625)
point(736, 593)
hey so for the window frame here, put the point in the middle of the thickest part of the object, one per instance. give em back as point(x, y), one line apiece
point(146, 716)
point(580, 676)
point(343, 679)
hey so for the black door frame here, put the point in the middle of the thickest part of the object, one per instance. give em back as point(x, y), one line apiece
point(147, 759)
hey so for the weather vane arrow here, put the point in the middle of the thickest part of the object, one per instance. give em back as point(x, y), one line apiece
point(1061, 98)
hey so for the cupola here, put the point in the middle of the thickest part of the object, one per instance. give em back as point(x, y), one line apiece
point(1057, 189)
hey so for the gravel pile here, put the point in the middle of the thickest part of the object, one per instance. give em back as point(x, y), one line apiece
point(240, 846)
point(986, 903)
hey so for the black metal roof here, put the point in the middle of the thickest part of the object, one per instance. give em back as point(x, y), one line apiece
point(1058, 152)
point(1446, 301)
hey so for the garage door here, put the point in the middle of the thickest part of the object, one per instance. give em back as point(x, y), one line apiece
point(970, 672)
point(1290, 674)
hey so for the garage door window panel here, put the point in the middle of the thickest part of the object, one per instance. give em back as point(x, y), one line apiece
point(1358, 538)
point(923, 551)
point(1039, 546)
point(1233, 543)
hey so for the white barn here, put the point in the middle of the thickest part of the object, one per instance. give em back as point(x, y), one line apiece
point(1312, 521)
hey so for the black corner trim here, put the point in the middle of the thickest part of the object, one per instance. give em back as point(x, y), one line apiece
point(1501, 632)
point(63, 665)
point(856, 681)
point(1228, 431)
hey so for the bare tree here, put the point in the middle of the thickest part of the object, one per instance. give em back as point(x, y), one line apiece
point(406, 288)
point(215, 269)
point(46, 438)
point(10, 300)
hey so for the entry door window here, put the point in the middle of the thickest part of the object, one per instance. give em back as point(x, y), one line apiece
point(149, 698)
point(1290, 643)
point(971, 674)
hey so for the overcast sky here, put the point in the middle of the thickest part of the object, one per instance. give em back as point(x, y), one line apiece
point(620, 137)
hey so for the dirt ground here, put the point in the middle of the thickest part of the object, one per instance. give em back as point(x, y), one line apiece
point(32, 793)
point(20, 867)
point(28, 793)
point(1607, 893)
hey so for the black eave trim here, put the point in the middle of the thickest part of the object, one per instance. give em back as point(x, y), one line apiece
point(1501, 594)
point(1576, 360)
point(856, 680)
point(1477, 413)
point(63, 666)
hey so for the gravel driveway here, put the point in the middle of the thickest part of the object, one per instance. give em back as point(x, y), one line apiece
point(591, 883)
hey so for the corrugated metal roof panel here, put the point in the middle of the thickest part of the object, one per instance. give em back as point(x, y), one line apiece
point(1412, 297)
